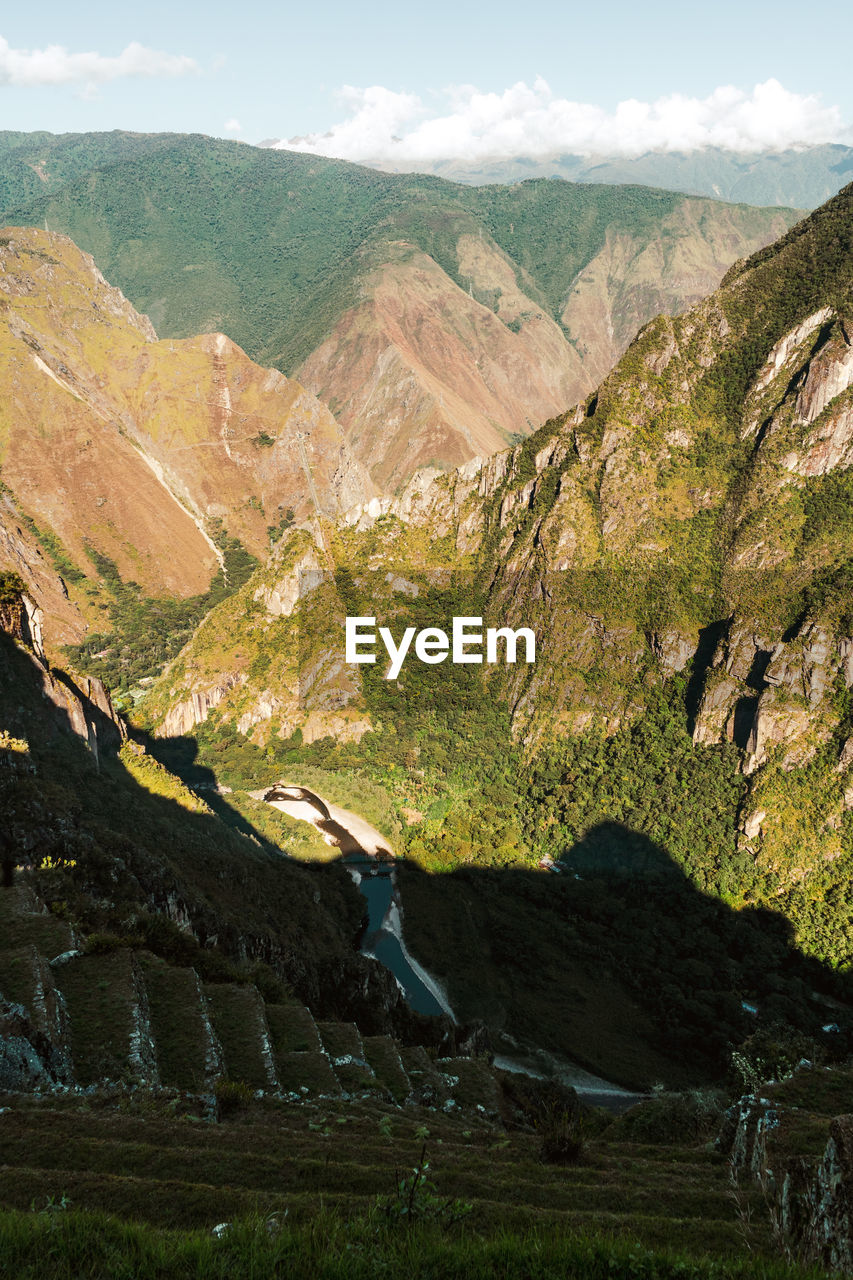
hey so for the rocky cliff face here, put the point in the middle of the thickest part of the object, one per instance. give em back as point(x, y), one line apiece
point(695, 468)
point(694, 511)
point(809, 1197)
point(83, 706)
point(271, 662)
point(631, 279)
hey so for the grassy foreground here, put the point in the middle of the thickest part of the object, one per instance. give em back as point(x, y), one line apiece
point(55, 1244)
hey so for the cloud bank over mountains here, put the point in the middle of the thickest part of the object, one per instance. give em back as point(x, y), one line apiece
point(383, 126)
point(54, 65)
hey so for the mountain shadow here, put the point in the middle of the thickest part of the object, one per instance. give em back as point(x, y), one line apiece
point(135, 854)
point(619, 961)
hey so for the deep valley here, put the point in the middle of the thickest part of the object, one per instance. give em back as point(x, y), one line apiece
point(241, 408)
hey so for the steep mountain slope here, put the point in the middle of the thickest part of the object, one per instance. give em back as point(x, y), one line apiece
point(702, 457)
point(692, 518)
point(298, 259)
point(420, 373)
point(122, 848)
point(140, 460)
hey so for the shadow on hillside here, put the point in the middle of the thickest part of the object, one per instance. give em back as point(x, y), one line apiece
point(618, 960)
point(138, 856)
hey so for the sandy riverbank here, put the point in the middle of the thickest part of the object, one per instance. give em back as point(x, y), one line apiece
point(339, 827)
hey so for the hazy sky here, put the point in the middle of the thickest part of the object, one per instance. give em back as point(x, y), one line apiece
point(444, 78)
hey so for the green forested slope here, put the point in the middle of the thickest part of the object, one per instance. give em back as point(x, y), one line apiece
point(33, 164)
point(266, 245)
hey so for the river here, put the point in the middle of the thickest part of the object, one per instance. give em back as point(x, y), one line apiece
point(370, 861)
point(383, 937)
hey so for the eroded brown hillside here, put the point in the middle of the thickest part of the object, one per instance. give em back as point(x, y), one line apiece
point(146, 452)
point(422, 373)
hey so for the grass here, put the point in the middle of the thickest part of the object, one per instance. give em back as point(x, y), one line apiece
point(341, 1039)
point(99, 995)
point(476, 1084)
point(143, 1161)
point(423, 1072)
point(236, 1013)
point(24, 928)
point(17, 975)
point(126, 1184)
point(383, 1056)
point(292, 1029)
point(309, 1070)
point(65, 1245)
point(176, 1023)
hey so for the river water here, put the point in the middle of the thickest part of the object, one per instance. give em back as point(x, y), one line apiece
point(383, 937)
point(382, 940)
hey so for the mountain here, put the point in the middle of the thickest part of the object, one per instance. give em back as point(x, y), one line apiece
point(32, 164)
point(184, 1007)
point(801, 176)
point(136, 468)
point(419, 374)
point(679, 751)
point(679, 543)
point(633, 854)
point(437, 321)
point(136, 855)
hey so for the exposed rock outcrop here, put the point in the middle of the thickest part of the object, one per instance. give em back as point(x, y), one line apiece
point(25, 1054)
point(810, 1202)
point(84, 708)
point(182, 717)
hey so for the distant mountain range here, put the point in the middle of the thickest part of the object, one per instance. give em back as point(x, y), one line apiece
point(803, 177)
point(437, 321)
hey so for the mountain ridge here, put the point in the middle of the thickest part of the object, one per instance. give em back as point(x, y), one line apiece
point(682, 534)
point(288, 253)
point(804, 176)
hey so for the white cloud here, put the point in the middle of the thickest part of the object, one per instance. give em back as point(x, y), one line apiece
point(384, 126)
point(55, 65)
point(232, 126)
